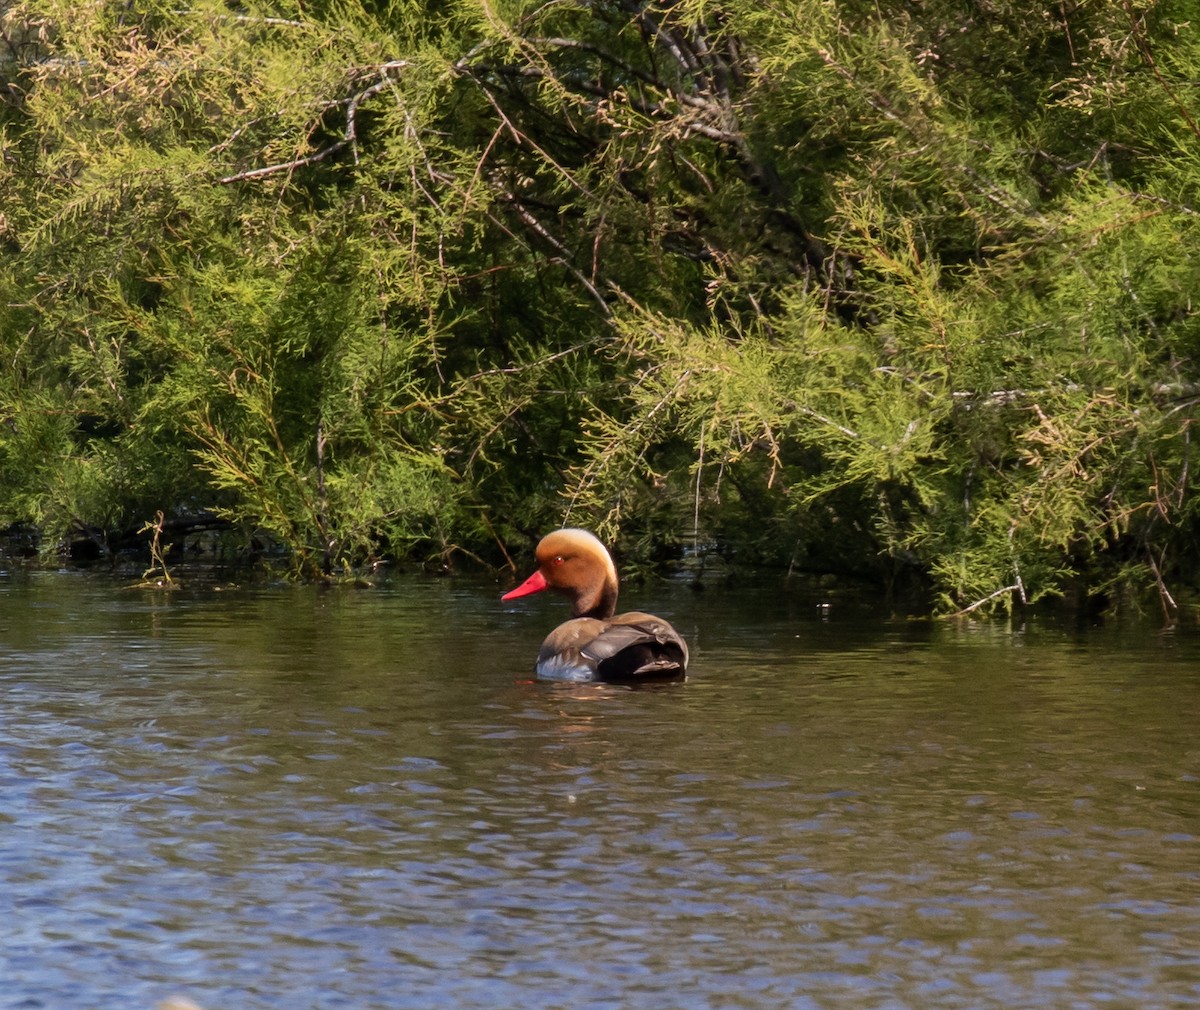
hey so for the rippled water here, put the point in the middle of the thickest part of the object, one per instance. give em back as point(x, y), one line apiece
point(290, 798)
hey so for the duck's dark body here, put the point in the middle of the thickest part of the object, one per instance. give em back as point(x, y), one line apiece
point(626, 649)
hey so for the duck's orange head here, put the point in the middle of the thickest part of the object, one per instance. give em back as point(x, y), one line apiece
point(577, 565)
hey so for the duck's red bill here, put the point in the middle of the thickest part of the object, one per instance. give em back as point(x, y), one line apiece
point(534, 584)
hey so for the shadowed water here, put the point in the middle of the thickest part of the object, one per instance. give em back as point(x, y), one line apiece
point(290, 798)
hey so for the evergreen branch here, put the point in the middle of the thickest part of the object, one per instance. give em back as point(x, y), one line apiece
point(711, 104)
point(880, 103)
point(657, 110)
point(349, 136)
point(539, 363)
point(1143, 45)
point(253, 20)
point(625, 434)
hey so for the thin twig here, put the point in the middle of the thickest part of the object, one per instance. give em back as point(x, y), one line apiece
point(348, 139)
point(991, 596)
point(1164, 596)
point(565, 256)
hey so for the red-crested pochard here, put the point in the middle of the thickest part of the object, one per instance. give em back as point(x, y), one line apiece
point(595, 645)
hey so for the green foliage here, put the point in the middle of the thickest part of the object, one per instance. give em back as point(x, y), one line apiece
point(891, 289)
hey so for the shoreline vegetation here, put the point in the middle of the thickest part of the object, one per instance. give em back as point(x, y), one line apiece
point(887, 292)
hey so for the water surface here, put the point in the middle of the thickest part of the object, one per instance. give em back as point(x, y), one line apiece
point(282, 797)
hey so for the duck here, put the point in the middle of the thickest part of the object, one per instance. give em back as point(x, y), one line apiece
point(597, 644)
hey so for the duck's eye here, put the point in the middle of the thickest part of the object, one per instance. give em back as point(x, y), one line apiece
point(558, 560)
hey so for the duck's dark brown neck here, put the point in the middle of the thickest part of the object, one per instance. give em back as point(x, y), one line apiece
point(600, 603)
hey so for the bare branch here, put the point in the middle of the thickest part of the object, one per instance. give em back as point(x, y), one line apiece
point(348, 139)
point(286, 166)
point(564, 257)
point(1015, 587)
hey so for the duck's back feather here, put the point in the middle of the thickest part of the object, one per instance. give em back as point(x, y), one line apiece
point(630, 647)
